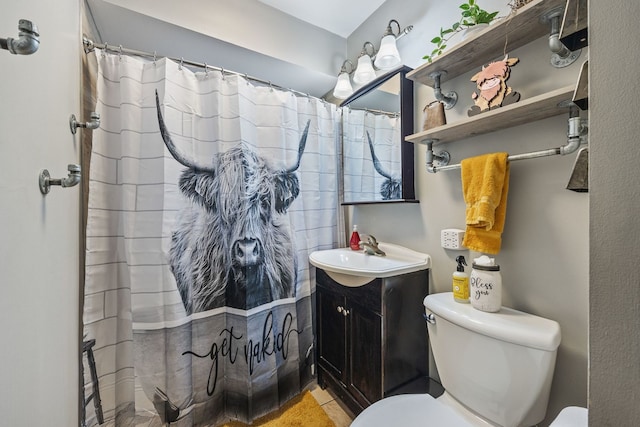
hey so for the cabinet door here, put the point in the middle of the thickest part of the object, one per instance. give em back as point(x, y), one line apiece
point(332, 333)
point(365, 349)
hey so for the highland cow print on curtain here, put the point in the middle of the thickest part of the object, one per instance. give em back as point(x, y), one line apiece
point(207, 193)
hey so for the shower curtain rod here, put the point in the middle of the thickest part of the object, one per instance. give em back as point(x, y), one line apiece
point(370, 110)
point(90, 45)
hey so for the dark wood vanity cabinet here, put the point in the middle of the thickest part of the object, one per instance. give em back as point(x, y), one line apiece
point(371, 339)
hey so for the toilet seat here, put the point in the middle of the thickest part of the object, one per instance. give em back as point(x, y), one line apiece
point(409, 410)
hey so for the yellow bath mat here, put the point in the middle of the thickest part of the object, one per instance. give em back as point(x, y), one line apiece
point(301, 411)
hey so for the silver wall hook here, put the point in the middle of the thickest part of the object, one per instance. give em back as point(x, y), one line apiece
point(94, 123)
point(45, 180)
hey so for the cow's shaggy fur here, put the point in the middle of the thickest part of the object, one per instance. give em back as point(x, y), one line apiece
point(243, 199)
point(231, 245)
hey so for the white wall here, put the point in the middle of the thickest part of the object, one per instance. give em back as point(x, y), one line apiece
point(39, 235)
point(545, 252)
point(244, 36)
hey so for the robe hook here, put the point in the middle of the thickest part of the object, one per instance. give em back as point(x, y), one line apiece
point(94, 123)
point(45, 181)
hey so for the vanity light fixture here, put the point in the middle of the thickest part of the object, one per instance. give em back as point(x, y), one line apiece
point(364, 71)
point(343, 88)
point(388, 56)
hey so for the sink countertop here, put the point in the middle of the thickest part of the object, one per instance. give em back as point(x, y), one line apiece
point(355, 268)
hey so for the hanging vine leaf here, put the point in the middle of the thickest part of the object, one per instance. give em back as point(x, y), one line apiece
point(471, 14)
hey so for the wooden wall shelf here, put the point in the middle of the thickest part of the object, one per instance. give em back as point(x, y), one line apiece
point(526, 111)
point(487, 45)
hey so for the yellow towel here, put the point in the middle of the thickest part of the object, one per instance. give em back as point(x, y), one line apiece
point(485, 184)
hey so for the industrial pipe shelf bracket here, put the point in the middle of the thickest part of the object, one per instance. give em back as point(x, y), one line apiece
point(449, 99)
point(562, 56)
point(435, 160)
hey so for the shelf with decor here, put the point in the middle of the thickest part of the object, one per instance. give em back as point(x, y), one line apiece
point(526, 111)
point(517, 30)
point(525, 25)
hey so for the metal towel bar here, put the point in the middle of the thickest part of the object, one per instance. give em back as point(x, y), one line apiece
point(576, 135)
point(524, 156)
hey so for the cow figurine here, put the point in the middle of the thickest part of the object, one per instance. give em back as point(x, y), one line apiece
point(230, 246)
point(391, 187)
point(491, 86)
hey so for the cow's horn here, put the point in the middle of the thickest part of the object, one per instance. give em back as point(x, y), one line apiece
point(301, 146)
point(171, 146)
point(376, 162)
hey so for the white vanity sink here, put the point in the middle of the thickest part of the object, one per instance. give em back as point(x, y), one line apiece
point(355, 268)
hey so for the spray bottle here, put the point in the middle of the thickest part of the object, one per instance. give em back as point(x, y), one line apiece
point(460, 282)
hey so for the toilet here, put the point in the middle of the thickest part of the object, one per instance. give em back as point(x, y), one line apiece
point(496, 369)
point(572, 416)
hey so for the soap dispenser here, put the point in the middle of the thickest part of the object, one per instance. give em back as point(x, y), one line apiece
point(354, 243)
point(460, 282)
point(485, 285)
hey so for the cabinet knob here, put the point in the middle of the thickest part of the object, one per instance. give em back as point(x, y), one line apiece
point(343, 310)
point(340, 309)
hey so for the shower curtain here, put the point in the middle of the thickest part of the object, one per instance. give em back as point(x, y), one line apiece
point(365, 180)
point(207, 193)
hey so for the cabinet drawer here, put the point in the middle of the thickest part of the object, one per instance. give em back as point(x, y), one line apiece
point(368, 296)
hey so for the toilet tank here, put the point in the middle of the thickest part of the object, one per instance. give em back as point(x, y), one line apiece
point(498, 365)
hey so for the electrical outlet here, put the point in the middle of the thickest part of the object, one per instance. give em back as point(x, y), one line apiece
point(451, 238)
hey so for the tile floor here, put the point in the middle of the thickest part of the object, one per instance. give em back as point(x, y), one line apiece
point(336, 410)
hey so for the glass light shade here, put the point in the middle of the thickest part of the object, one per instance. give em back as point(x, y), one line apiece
point(343, 87)
point(364, 72)
point(388, 55)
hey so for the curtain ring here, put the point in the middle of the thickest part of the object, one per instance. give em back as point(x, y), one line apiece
point(222, 72)
point(120, 53)
point(270, 86)
point(154, 58)
point(206, 70)
point(106, 49)
point(180, 64)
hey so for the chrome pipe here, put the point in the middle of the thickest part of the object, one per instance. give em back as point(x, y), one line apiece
point(27, 41)
point(576, 135)
point(94, 123)
point(449, 99)
point(513, 158)
point(562, 56)
point(72, 179)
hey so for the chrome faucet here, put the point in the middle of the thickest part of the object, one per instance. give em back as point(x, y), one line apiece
point(370, 247)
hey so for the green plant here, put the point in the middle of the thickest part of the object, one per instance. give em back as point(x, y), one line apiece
point(472, 14)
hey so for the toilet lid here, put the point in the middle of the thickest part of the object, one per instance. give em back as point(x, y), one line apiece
point(409, 410)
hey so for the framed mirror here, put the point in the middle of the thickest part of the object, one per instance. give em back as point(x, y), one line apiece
point(377, 161)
